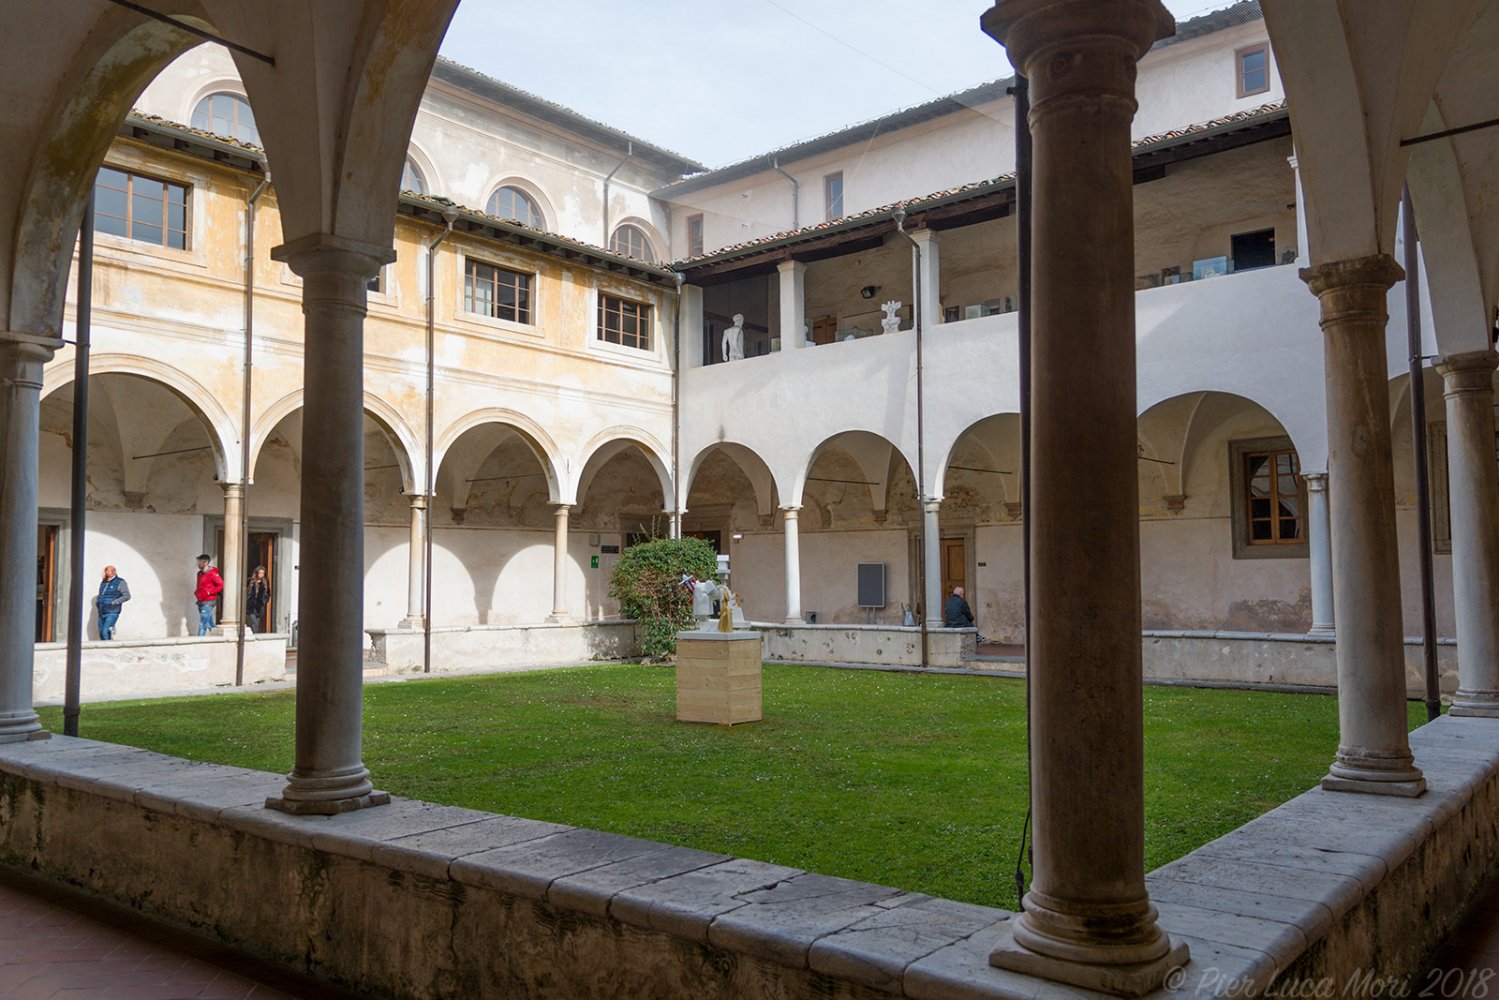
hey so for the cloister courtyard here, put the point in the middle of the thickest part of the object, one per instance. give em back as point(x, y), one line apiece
point(894, 778)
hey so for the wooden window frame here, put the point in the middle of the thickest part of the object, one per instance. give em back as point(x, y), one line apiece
point(410, 167)
point(523, 285)
point(1239, 54)
point(832, 207)
point(129, 219)
point(491, 207)
point(629, 231)
point(239, 101)
point(695, 235)
point(1239, 453)
point(614, 305)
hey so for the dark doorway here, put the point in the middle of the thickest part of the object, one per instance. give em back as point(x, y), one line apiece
point(1252, 250)
point(713, 538)
point(46, 582)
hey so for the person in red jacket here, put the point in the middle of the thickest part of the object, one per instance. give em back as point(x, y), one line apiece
point(210, 586)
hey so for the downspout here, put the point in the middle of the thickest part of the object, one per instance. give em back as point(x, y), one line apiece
point(244, 433)
point(796, 193)
point(676, 408)
point(926, 613)
point(73, 673)
point(449, 216)
point(629, 152)
point(1418, 445)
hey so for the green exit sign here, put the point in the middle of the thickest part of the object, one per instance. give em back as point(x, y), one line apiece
point(593, 562)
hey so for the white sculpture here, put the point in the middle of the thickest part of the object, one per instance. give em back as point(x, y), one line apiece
point(733, 340)
point(891, 322)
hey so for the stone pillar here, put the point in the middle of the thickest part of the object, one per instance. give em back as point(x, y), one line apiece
point(559, 565)
point(789, 518)
point(1373, 752)
point(691, 305)
point(793, 304)
point(1473, 496)
point(233, 569)
point(1319, 544)
point(416, 564)
point(328, 775)
point(931, 591)
point(1302, 254)
point(1087, 919)
point(931, 277)
point(21, 358)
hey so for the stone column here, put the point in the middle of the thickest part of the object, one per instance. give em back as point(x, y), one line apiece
point(790, 520)
point(692, 328)
point(931, 277)
point(1373, 752)
point(931, 591)
point(328, 775)
point(793, 304)
point(21, 358)
point(1087, 919)
point(233, 569)
point(559, 565)
point(1302, 254)
point(1319, 544)
point(1473, 496)
point(416, 564)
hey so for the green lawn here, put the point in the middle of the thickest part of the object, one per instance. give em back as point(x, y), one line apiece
point(916, 781)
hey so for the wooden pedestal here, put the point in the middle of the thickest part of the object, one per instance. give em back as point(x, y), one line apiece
point(718, 677)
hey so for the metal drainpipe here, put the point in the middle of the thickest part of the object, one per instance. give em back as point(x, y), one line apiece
point(629, 152)
point(73, 675)
point(796, 193)
point(449, 216)
point(900, 227)
point(244, 433)
point(1418, 444)
point(676, 407)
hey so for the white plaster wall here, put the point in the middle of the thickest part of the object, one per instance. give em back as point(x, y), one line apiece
point(155, 555)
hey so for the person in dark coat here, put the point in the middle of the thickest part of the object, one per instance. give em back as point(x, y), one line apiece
point(113, 593)
point(257, 596)
point(957, 614)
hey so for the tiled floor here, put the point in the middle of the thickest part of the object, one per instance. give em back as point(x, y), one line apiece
point(55, 942)
point(1467, 963)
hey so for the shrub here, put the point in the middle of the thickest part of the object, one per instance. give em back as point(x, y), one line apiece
point(647, 583)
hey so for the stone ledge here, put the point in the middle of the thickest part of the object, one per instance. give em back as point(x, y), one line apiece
point(1323, 885)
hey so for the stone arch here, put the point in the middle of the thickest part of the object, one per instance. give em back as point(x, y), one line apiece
point(755, 469)
point(222, 434)
point(873, 455)
point(403, 441)
point(987, 433)
point(606, 445)
point(533, 434)
point(531, 190)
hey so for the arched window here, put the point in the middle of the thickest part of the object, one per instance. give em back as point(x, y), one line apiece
point(227, 114)
point(631, 241)
point(514, 204)
point(412, 179)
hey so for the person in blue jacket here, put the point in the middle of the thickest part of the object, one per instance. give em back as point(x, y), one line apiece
point(113, 593)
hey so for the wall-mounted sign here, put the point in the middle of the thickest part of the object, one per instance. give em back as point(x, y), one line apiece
point(593, 562)
point(610, 550)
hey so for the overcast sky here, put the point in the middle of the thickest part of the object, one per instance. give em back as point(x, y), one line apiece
point(721, 80)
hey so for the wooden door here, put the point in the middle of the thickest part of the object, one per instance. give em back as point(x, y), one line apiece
point(954, 565)
point(263, 553)
point(46, 582)
point(825, 330)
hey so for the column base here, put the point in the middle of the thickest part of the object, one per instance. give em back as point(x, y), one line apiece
point(1321, 632)
point(1374, 773)
point(412, 623)
point(328, 793)
point(1475, 704)
point(1130, 980)
point(559, 617)
point(327, 807)
point(35, 734)
point(798, 620)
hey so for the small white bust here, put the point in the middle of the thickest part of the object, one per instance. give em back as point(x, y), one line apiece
point(733, 340)
point(891, 322)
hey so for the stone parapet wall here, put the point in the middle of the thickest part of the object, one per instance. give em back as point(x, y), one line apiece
point(144, 667)
point(466, 648)
point(881, 645)
point(1269, 658)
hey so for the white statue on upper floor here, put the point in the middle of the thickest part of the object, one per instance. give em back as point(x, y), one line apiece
point(733, 340)
point(891, 322)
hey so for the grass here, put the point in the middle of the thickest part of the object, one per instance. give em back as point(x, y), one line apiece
point(916, 781)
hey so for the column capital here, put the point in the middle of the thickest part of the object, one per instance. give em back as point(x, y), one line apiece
point(931, 505)
point(1375, 271)
point(419, 501)
point(560, 508)
point(791, 508)
point(1316, 482)
point(791, 267)
point(232, 490)
point(925, 236)
point(29, 346)
point(1031, 30)
point(1470, 371)
point(329, 252)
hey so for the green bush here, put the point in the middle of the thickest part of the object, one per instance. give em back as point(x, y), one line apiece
point(647, 583)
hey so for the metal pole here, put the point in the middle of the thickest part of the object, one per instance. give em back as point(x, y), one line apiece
point(244, 432)
point(449, 216)
point(1418, 450)
point(72, 681)
point(1023, 324)
point(921, 549)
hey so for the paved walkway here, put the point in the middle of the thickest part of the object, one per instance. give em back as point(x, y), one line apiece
point(56, 942)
